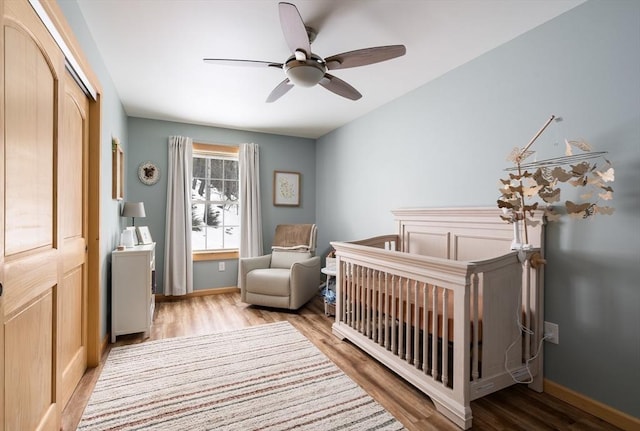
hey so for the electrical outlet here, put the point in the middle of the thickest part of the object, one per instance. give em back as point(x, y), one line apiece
point(552, 332)
point(221, 266)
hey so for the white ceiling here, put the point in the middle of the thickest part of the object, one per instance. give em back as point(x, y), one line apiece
point(153, 50)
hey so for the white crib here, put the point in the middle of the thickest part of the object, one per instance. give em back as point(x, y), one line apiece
point(446, 304)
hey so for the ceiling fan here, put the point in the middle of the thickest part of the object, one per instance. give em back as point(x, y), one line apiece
point(306, 69)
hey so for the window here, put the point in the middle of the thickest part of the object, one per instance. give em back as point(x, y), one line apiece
point(215, 211)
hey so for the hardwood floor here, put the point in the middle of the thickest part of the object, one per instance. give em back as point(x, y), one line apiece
point(514, 408)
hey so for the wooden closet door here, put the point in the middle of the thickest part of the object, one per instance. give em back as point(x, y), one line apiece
point(33, 67)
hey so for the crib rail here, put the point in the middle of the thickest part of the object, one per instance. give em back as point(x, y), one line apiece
point(408, 311)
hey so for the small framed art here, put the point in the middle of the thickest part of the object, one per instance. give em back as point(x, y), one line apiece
point(117, 170)
point(148, 173)
point(144, 236)
point(286, 188)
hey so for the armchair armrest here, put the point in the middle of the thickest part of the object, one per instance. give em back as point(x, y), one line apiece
point(248, 264)
point(305, 280)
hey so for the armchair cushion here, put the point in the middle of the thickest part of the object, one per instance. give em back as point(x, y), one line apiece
point(270, 281)
point(286, 259)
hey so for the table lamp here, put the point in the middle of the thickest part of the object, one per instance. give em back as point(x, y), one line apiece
point(133, 210)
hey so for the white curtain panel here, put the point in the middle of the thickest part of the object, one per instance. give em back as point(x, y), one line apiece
point(250, 213)
point(178, 262)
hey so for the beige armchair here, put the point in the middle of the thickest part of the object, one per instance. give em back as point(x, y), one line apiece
point(288, 277)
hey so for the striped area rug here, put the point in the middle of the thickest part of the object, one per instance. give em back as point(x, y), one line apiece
point(267, 377)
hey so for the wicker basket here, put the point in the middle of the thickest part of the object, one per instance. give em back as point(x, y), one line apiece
point(329, 309)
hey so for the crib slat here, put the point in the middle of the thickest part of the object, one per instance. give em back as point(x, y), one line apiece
point(407, 323)
point(375, 319)
point(371, 312)
point(394, 336)
point(374, 305)
point(526, 296)
point(434, 333)
point(408, 352)
point(358, 302)
point(349, 293)
point(354, 296)
point(346, 298)
point(387, 323)
point(364, 292)
point(367, 304)
point(352, 305)
point(400, 318)
point(425, 325)
point(363, 304)
point(475, 374)
point(344, 294)
point(445, 336)
point(416, 326)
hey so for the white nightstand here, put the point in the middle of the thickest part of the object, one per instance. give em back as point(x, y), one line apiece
point(132, 296)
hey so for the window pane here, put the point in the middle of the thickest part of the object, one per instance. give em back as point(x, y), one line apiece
point(198, 233)
point(216, 168)
point(232, 237)
point(213, 215)
point(215, 190)
point(199, 167)
point(232, 215)
point(214, 238)
point(230, 169)
point(195, 186)
point(197, 216)
point(231, 190)
point(212, 190)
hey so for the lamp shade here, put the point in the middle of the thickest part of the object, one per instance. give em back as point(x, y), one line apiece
point(133, 209)
point(305, 72)
point(304, 75)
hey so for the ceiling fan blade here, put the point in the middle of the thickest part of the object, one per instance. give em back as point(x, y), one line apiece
point(362, 57)
point(250, 63)
point(338, 86)
point(280, 90)
point(293, 28)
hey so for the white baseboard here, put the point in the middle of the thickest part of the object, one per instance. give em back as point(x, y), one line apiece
point(199, 292)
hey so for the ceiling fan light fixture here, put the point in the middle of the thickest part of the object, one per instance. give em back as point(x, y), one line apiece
point(306, 69)
point(306, 73)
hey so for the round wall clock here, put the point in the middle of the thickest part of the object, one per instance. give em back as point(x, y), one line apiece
point(148, 173)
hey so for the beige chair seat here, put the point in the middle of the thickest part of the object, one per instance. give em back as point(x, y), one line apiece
point(269, 281)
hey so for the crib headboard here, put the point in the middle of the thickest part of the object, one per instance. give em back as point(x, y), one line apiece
point(466, 233)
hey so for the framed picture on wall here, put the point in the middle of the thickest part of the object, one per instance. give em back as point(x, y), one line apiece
point(117, 170)
point(144, 236)
point(286, 188)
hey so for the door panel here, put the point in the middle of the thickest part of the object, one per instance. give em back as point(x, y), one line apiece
point(72, 194)
point(28, 277)
point(72, 354)
point(29, 133)
point(28, 365)
point(73, 141)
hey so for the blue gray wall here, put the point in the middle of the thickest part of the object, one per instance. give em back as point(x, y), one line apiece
point(148, 141)
point(445, 144)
